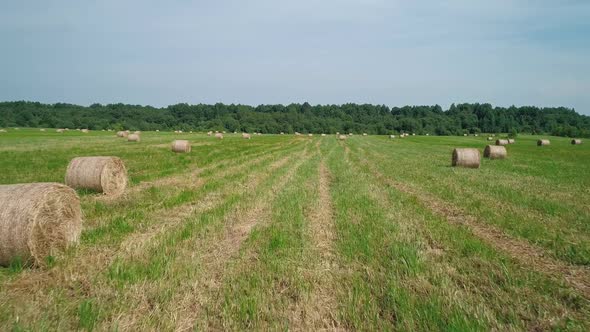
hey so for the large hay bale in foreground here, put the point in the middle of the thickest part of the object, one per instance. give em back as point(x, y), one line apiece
point(502, 142)
point(543, 142)
point(576, 141)
point(495, 152)
point(466, 157)
point(102, 174)
point(133, 138)
point(219, 135)
point(122, 134)
point(181, 146)
point(37, 220)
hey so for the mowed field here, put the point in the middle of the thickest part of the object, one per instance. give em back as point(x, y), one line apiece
point(306, 233)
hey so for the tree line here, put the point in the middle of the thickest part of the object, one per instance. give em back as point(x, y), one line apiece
point(459, 119)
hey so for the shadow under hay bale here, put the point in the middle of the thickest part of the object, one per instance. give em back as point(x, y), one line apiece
point(37, 220)
point(181, 146)
point(495, 152)
point(101, 174)
point(466, 157)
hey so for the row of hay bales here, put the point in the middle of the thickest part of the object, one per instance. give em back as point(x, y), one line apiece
point(470, 157)
point(38, 220)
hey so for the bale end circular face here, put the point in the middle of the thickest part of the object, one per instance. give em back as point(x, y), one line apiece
point(37, 220)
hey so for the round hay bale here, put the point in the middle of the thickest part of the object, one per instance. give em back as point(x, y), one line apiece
point(490, 138)
point(157, 130)
point(122, 134)
point(502, 142)
point(342, 137)
point(467, 157)
point(282, 133)
point(133, 138)
point(465, 135)
point(337, 133)
point(364, 134)
point(543, 142)
point(219, 135)
point(511, 141)
point(349, 134)
point(42, 129)
point(391, 136)
point(323, 135)
point(2, 130)
point(37, 220)
point(310, 135)
point(246, 136)
point(495, 152)
point(106, 175)
point(85, 131)
point(59, 130)
point(137, 132)
point(576, 141)
point(181, 146)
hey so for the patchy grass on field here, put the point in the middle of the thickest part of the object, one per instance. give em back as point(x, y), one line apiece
point(306, 233)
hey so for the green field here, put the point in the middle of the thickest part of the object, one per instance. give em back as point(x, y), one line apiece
point(306, 233)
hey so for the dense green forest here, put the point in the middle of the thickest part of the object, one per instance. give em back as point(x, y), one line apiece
point(305, 118)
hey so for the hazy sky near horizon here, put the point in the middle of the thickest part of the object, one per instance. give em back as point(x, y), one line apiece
point(270, 51)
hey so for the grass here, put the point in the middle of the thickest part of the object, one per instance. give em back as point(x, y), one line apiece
point(282, 232)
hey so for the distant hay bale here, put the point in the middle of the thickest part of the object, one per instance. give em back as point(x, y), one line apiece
point(133, 138)
point(349, 134)
point(465, 135)
point(37, 220)
point(413, 134)
point(105, 175)
point(466, 157)
point(137, 132)
point(222, 131)
point(490, 138)
point(246, 136)
point(427, 134)
point(495, 152)
point(42, 129)
point(59, 130)
point(2, 130)
point(85, 131)
point(511, 141)
point(122, 134)
point(297, 134)
point(342, 137)
point(475, 135)
point(543, 142)
point(502, 142)
point(219, 135)
point(364, 134)
point(323, 135)
point(576, 141)
point(337, 133)
point(181, 146)
point(310, 135)
point(282, 133)
point(391, 136)
point(157, 130)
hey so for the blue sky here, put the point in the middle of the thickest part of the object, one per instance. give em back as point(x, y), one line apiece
point(271, 51)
